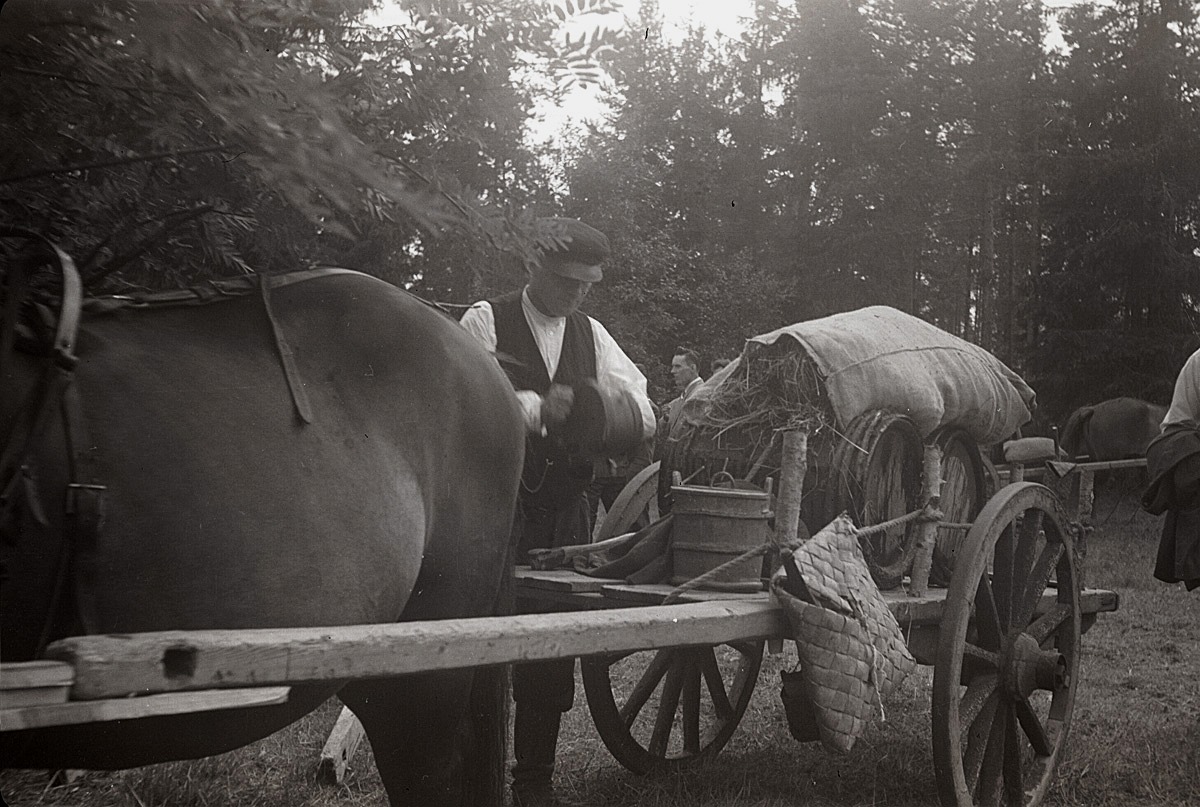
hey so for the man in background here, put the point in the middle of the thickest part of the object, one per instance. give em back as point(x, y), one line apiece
point(685, 369)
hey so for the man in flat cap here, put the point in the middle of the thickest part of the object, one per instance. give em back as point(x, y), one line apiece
point(546, 345)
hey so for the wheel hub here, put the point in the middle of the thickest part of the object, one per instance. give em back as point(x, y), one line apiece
point(1026, 667)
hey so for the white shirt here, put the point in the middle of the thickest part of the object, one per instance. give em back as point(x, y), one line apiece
point(1185, 403)
point(614, 370)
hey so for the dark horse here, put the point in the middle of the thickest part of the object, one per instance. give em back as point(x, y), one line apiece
point(1116, 429)
point(224, 508)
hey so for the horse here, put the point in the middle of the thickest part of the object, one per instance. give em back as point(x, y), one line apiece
point(324, 450)
point(1116, 429)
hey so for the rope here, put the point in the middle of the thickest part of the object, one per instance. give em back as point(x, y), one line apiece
point(926, 513)
point(696, 582)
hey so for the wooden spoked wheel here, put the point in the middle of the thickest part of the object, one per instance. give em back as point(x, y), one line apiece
point(637, 497)
point(1008, 654)
point(877, 477)
point(667, 709)
point(964, 490)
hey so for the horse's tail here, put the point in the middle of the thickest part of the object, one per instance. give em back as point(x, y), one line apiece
point(487, 746)
point(1072, 440)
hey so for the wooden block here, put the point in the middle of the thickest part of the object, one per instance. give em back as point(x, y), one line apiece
point(339, 749)
point(99, 711)
point(559, 580)
point(34, 683)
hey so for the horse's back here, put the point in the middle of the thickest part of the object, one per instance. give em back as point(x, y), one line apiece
point(1117, 428)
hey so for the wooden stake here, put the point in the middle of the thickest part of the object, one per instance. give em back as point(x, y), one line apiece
point(931, 493)
point(791, 486)
point(339, 749)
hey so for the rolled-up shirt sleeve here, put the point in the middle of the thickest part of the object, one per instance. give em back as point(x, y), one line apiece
point(480, 322)
point(616, 371)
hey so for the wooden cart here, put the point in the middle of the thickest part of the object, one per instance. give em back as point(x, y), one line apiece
point(1003, 637)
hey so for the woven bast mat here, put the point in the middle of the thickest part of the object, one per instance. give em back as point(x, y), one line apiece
point(851, 649)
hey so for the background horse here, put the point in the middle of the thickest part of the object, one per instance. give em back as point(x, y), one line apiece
point(224, 509)
point(1116, 429)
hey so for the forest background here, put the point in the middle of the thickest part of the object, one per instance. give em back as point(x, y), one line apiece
point(933, 155)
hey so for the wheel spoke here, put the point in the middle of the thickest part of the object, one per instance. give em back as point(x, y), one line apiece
point(975, 699)
point(1031, 724)
point(1039, 578)
point(991, 770)
point(987, 620)
point(1003, 576)
point(745, 649)
point(978, 733)
point(1024, 553)
point(716, 685)
point(1046, 624)
point(691, 709)
point(1013, 785)
point(646, 685)
point(978, 661)
point(668, 705)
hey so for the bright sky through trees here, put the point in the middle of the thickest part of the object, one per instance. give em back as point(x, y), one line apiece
point(720, 17)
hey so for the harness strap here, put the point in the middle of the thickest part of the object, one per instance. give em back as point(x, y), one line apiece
point(84, 509)
point(211, 290)
point(287, 356)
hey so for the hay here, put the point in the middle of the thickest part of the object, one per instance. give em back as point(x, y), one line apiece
point(772, 388)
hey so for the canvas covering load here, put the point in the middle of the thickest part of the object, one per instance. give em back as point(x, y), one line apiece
point(882, 358)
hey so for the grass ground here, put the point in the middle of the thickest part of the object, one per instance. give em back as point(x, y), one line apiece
point(1135, 737)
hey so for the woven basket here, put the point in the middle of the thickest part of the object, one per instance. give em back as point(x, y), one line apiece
point(850, 646)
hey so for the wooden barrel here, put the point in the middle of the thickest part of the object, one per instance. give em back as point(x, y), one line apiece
point(876, 477)
point(713, 526)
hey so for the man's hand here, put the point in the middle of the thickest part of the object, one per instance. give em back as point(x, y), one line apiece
point(556, 404)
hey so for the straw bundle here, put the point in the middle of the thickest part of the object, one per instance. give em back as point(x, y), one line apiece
point(772, 387)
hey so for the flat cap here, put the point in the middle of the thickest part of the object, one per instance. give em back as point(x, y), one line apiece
point(570, 248)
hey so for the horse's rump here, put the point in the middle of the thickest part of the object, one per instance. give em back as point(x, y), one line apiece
point(224, 509)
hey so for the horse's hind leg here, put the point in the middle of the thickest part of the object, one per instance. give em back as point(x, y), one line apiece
point(416, 725)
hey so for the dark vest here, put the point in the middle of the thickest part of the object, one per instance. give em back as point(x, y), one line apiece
point(552, 479)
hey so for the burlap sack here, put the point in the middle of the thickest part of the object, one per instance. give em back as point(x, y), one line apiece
point(850, 646)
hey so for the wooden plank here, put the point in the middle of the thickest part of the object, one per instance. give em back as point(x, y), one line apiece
point(30, 674)
point(34, 683)
point(340, 748)
point(174, 703)
point(112, 666)
point(567, 580)
point(108, 666)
